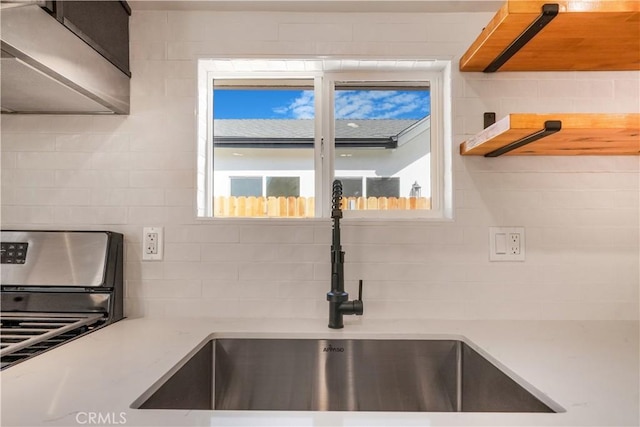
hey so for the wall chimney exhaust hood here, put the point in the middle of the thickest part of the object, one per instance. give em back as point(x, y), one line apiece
point(47, 69)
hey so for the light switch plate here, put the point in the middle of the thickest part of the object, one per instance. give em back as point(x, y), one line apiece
point(506, 244)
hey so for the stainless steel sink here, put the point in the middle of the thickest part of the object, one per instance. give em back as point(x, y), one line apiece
point(340, 375)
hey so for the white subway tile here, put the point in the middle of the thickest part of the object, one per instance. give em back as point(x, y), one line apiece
point(180, 69)
point(300, 252)
point(148, 25)
point(315, 32)
point(183, 270)
point(220, 271)
point(284, 271)
point(28, 142)
point(224, 289)
point(188, 26)
point(144, 197)
point(109, 123)
point(220, 252)
point(25, 216)
point(110, 161)
point(89, 215)
point(181, 215)
point(301, 289)
point(91, 179)
point(179, 197)
point(203, 233)
point(182, 288)
point(297, 232)
point(9, 160)
point(162, 179)
point(182, 51)
point(92, 142)
point(134, 307)
point(53, 160)
point(627, 88)
point(126, 172)
point(182, 252)
point(147, 215)
point(147, 50)
point(392, 32)
point(181, 87)
point(18, 178)
point(50, 196)
point(263, 28)
point(164, 161)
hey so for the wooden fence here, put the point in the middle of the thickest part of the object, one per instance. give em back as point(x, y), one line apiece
point(303, 207)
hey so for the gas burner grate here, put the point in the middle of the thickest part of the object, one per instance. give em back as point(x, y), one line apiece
point(23, 335)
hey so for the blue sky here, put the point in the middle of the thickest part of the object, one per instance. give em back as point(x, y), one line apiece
point(298, 104)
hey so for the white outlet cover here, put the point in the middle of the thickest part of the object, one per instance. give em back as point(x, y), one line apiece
point(160, 243)
point(498, 252)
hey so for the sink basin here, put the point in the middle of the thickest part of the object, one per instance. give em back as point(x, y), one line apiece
point(341, 375)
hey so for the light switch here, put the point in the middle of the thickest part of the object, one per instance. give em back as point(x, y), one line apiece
point(501, 243)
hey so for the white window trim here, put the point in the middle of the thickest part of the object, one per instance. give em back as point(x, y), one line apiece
point(324, 149)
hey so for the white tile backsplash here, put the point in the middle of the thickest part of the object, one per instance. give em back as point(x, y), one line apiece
point(581, 214)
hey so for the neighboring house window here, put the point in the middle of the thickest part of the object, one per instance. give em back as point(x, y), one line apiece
point(246, 186)
point(283, 186)
point(383, 187)
point(351, 187)
point(272, 138)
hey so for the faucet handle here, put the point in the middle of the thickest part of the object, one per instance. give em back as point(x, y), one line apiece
point(358, 306)
point(349, 307)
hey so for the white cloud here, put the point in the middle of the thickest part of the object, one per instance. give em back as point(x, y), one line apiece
point(358, 104)
point(300, 108)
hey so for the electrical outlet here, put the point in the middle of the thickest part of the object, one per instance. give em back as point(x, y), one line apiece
point(506, 244)
point(514, 243)
point(152, 239)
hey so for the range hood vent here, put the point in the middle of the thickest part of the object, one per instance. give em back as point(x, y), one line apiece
point(47, 69)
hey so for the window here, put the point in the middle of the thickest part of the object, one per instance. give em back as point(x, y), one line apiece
point(246, 186)
point(382, 131)
point(272, 137)
point(283, 186)
point(351, 187)
point(383, 187)
point(253, 133)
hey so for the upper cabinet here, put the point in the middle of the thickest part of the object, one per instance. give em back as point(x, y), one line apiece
point(566, 35)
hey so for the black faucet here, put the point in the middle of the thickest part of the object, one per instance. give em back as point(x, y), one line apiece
point(339, 303)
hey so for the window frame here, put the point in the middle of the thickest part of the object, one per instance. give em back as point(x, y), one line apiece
point(439, 81)
point(438, 143)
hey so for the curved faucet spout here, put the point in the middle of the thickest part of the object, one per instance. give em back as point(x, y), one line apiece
point(339, 303)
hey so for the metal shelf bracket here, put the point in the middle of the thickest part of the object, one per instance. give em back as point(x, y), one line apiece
point(549, 11)
point(550, 127)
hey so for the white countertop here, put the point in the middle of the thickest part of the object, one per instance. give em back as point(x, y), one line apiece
point(591, 369)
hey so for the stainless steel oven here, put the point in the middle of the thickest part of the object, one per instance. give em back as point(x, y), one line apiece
point(57, 286)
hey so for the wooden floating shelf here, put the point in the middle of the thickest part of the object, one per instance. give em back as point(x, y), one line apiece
point(585, 35)
point(579, 134)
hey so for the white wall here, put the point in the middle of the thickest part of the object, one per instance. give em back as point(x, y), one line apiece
point(263, 162)
point(410, 162)
point(120, 173)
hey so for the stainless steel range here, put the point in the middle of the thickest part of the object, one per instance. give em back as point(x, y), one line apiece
point(57, 286)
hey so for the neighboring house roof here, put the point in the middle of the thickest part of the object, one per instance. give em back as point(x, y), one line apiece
point(288, 133)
